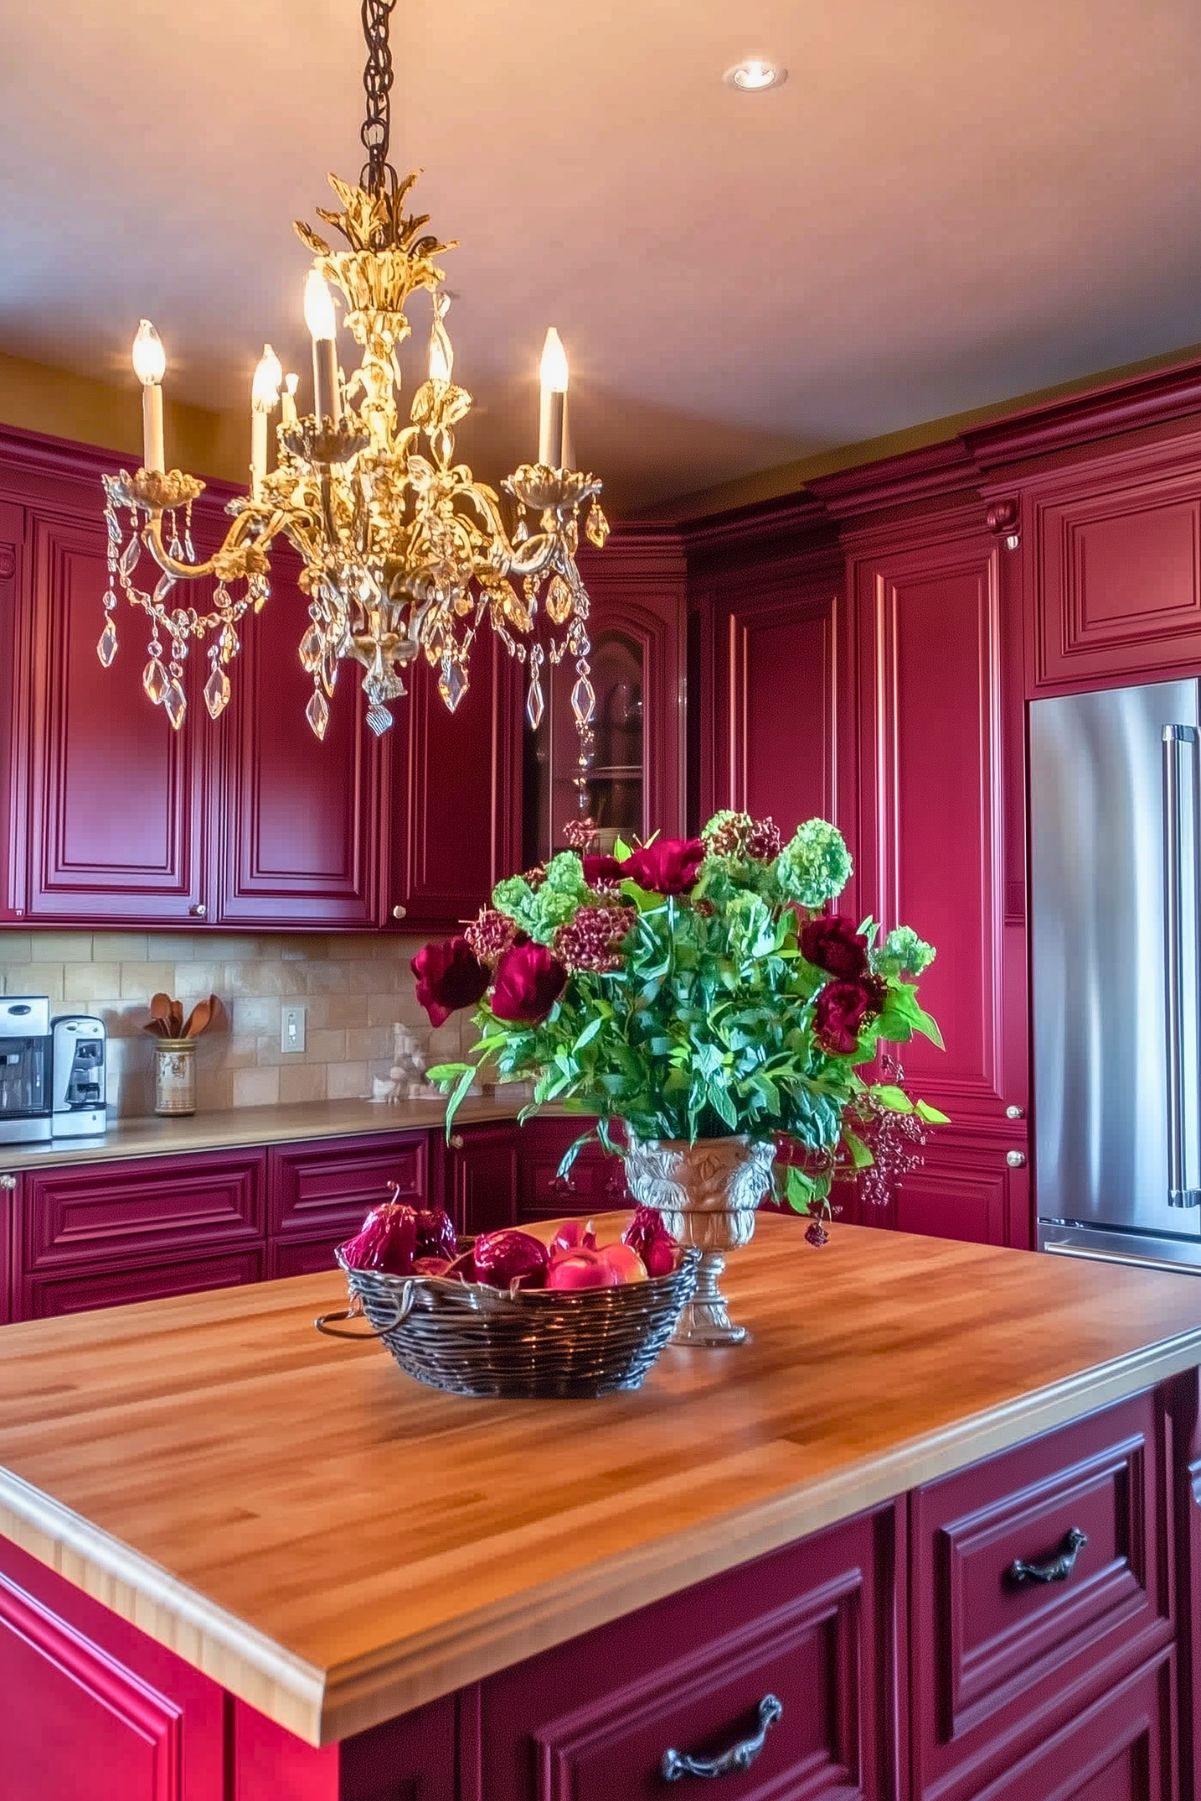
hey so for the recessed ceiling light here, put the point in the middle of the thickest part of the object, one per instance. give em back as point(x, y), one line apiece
point(754, 74)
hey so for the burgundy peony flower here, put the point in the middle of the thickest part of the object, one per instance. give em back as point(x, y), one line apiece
point(528, 983)
point(668, 866)
point(842, 1009)
point(833, 943)
point(449, 976)
point(602, 872)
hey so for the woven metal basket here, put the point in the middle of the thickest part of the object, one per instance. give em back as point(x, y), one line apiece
point(469, 1339)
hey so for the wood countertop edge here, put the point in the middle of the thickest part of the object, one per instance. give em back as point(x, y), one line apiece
point(218, 1644)
point(322, 1706)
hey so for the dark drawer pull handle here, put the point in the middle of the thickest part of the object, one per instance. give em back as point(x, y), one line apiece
point(1058, 1569)
point(738, 1757)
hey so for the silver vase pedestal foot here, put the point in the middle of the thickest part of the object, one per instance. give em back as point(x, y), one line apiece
point(708, 1194)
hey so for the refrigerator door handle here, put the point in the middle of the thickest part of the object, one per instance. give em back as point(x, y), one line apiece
point(1175, 737)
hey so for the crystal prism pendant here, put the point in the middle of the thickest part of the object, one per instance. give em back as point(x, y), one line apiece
point(310, 649)
point(216, 691)
point(559, 601)
point(175, 704)
point(597, 527)
point(379, 719)
point(317, 712)
point(583, 700)
point(106, 649)
point(154, 681)
point(452, 683)
point(535, 706)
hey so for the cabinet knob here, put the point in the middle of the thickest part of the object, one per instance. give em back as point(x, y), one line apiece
point(1015, 1112)
point(9, 1182)
point(399, 912)
point(455, 1141)
point(1016, 1159)
point(199, 911)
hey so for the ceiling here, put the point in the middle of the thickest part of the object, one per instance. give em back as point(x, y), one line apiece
point(947, 203)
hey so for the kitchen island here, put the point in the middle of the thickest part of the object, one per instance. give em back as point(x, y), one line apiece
point(941, 1508)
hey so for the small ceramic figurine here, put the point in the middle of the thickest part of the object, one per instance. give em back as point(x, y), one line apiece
point(405, 1080)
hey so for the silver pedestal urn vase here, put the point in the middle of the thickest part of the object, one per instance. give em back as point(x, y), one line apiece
point(708, 1194)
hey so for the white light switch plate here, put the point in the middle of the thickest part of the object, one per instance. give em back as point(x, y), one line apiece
point(291, 1030)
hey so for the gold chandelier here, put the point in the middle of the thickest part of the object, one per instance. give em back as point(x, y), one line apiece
point(404, 552)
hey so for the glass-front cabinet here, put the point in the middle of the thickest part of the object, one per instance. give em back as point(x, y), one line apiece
point(634, 784)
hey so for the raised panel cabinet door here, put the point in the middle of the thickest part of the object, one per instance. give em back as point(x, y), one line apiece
point(455, 811)
point(1038, 1580)
point(1118, 1748)
point(91, 1709)
point(301, 831)
point(10, 1202)
point(810, 1628)
point(481, 1177)
point(777, 697)
point(151, 1206)
point(14, 650)
point(934, 708)
point(964, 1187)
point(115, 803)
point(47, 1295)
point(595, 1184)
point(1117, 570)
point(320, 1192)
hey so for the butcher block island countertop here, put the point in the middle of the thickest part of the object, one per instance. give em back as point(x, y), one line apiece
point(337, 1545)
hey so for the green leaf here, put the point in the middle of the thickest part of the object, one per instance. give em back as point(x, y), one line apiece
point(932, 1115)
point(448, 1072)
point(861, 1157)
point(892, 1097)
point(452, 1105)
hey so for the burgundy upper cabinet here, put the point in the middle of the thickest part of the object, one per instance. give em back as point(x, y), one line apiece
point(115, 804)
point(300, 833)
point(12, 792)
point(777, 657)
point(637, 628)
point(935, 844)
point(1114, 562)
point(455, 810)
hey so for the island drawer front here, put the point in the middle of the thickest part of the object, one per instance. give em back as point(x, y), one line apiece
point(811, 1625)
point(48, 1296)
point(1000, 1655)
point(328, 1186)
point(146, 1206)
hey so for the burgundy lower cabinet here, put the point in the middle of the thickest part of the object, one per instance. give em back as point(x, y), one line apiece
point(10, 1197)
point(480, 1182)
point(1041, 1580)
point(810, 1629)
point(95, 1235)
point(595, 1184)
point(319, 1192)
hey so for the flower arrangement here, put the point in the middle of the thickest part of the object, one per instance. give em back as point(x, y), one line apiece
point(693, 988)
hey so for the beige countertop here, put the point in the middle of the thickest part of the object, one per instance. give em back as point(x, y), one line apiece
point(337, 1545)
point(241, 1126)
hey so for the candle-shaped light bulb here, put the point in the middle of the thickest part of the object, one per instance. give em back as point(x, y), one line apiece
point(149, 365)
point(319, 313)
point(268, 376)
point(288, 414)
point(149, 357)
point(322, 322)
point(552, 417)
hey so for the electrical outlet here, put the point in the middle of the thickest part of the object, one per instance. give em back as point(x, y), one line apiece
point(291, 1030)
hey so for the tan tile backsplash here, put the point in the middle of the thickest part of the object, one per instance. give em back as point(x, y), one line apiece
point(355, 990)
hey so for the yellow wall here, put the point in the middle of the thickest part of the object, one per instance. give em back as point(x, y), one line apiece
point(36, 397)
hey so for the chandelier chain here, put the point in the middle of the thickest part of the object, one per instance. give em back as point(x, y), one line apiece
point(378, 176)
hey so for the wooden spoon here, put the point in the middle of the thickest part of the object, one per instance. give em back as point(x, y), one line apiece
point(198, 1018)
point(160, 1009)
point(176, 1019)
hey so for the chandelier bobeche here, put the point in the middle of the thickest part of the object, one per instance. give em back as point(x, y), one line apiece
point(404, 552)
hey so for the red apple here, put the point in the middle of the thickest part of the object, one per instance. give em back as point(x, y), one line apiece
point(625, 1260)
point(582, 1269)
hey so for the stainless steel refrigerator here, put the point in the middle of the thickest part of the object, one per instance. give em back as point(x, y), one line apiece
point(1115, 798)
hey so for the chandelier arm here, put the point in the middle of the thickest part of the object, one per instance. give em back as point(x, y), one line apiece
point(237, 539)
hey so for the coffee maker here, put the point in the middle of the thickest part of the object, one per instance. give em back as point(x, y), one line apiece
point(24, 1068)
point(77, 1061)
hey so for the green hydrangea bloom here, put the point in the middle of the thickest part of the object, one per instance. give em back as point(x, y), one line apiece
point(903, 953)
point(815, 865)
point(540, 908)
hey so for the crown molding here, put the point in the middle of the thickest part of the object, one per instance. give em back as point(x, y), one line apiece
point(1161, 398)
